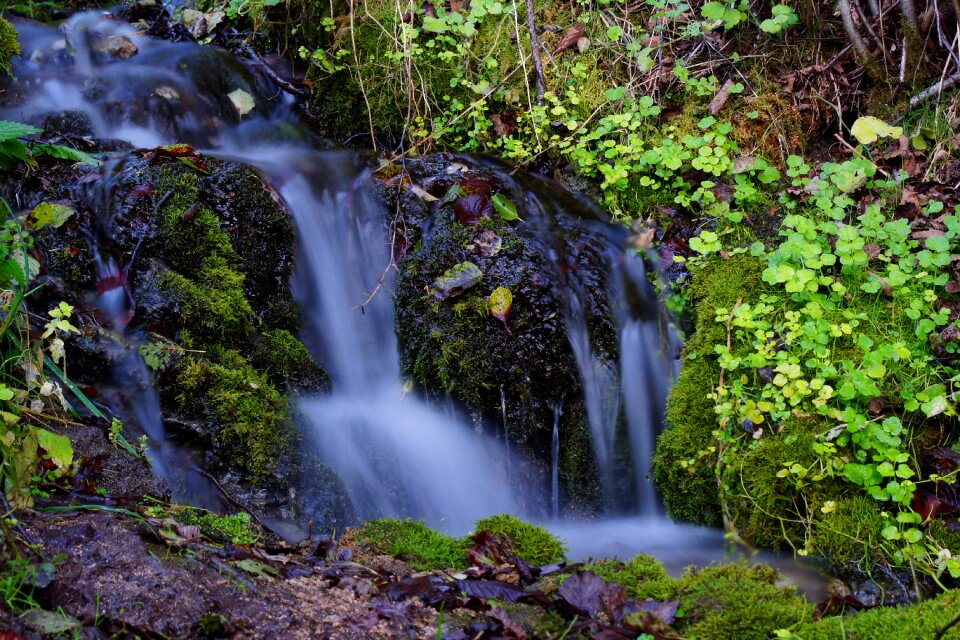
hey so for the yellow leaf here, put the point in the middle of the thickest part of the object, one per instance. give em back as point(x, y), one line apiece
point(868, 129)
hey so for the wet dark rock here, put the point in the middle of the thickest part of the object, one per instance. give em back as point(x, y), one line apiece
point(455, 346)
point(110, 468)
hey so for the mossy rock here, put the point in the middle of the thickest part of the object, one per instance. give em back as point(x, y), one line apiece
point(250, 422)
point(529, 541)
point(456, 347)
point(685, 459)
point(9, 45)
point(207, 254)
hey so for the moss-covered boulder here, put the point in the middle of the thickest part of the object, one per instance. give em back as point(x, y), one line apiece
point(197, 256)
point(515, 371)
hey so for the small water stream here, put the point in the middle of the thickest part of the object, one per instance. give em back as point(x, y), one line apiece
point(397, 454)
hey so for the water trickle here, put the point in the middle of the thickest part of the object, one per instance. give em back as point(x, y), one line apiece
point(557, 409)
point(506, 426)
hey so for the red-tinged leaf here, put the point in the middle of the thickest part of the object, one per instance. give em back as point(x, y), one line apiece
point(455, 281)
point(471, 209)
point(583, 591)
point(501, 302)
point(569, 39)
point(143, 191)
point(926, 504)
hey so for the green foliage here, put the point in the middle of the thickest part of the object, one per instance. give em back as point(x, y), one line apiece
point(9, 45)
point(530, 542)
point(415, 543)
point(826, 368)
point(14, 150)
point(924, 620)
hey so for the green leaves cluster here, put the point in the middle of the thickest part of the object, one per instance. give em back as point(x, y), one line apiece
point(841, 337)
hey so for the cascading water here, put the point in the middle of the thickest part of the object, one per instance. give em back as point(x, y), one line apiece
point(396, 454)
point(555, 461)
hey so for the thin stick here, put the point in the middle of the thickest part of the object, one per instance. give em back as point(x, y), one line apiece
point(535, 51)
point(363, 90)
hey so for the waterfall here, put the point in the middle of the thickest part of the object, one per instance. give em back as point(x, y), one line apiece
point(396, 453)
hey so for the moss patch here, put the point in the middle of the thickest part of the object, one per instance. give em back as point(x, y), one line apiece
point(251, 421)
point(9, 45)
point(415, 543)
point(917, 622)
point(530, 542)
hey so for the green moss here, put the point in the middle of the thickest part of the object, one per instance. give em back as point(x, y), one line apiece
point(415, 543)
point(9, 45)
point(530, 542)
point(917, 622)
point(730, 601)
point(643, 577)
point(850, 531)
point(685, 460)
point(213, 305)
point(285, 359)
point(737, 602)
point(234, 528)
point(251, 419)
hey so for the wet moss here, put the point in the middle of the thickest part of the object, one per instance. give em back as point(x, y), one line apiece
point(643, 576)
point(915, 622)
point(212, 305)
point(9, 45)
point(455, 347)
point(250, 419)
point(686, 459)
point(729, 601)
point(530, 542)
point(287, 361)
point(415, 543)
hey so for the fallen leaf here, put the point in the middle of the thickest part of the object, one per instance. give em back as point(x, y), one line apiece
point(583, 591)
point(49, 214)
point(470, 209)
point(720, 100)
point(501, 302)
point(570, 37)
point(868, 129)
point(455, 281)
point(505, 207)
point(242, 100)
point(486, 243)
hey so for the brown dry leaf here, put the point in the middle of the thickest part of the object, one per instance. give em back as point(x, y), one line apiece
point(721, 99)
point(569, 39)
point(504, 124)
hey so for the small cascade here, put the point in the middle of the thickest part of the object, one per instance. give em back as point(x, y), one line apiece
point(555, 461)
point(601, 391)
point(396, 453)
